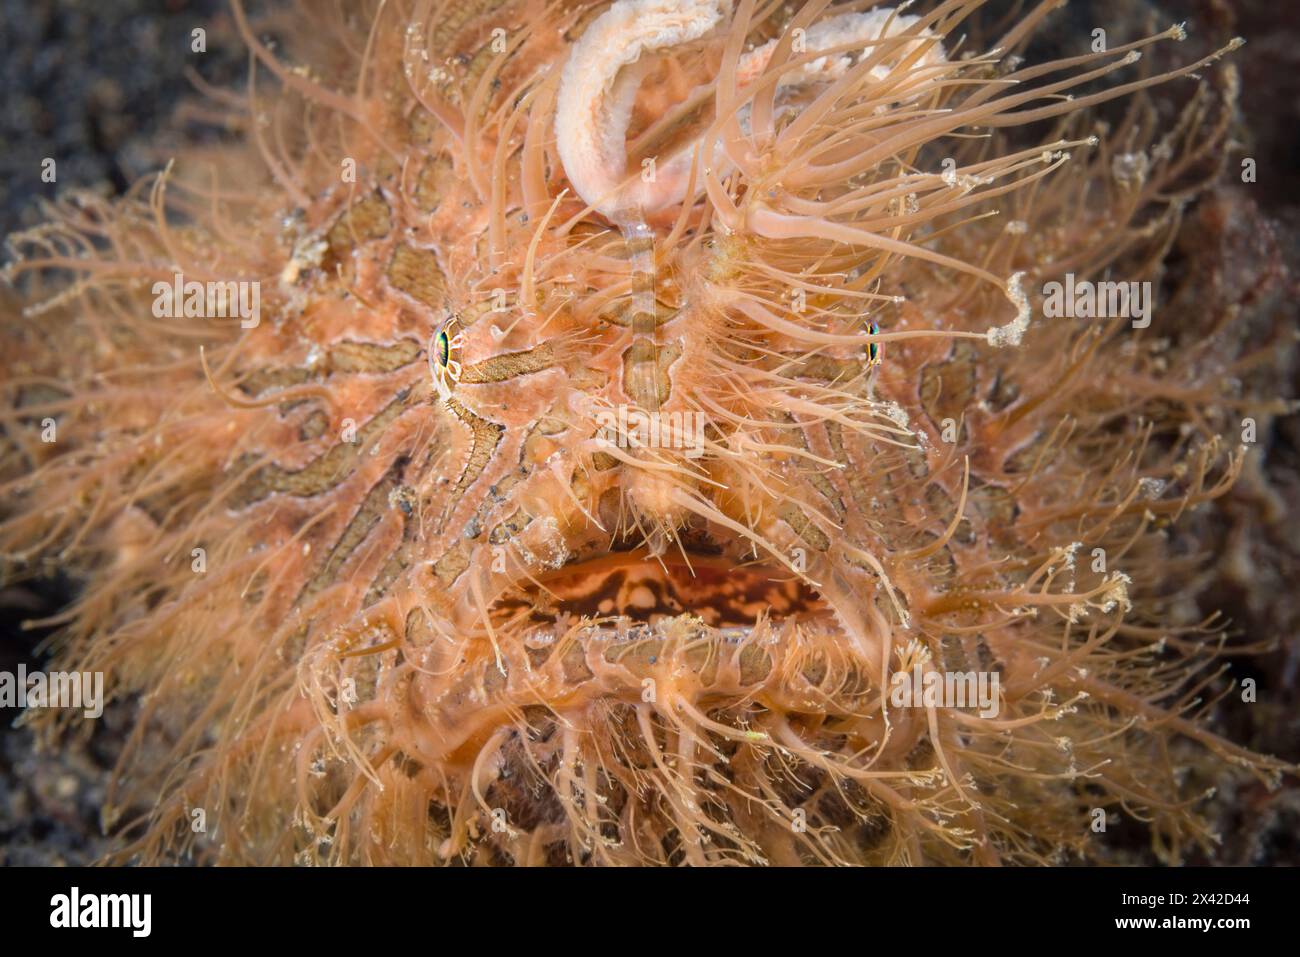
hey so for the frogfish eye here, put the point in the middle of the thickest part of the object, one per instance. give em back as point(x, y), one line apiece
point(443, 363)
point(873, 347)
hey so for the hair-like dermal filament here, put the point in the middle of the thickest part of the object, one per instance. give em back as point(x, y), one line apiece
point(598, 87)
point(594, 106)
point(603, 72)
point(642, 383)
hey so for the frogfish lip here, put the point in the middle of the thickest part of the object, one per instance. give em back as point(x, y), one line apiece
point(694, 632)
point(635, 595)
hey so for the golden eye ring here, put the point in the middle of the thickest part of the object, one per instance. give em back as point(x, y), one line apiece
point(444, 350)
point(873, 347)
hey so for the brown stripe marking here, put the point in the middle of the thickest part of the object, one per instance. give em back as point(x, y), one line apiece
point(804, 527)
point(346, 357)
point(322, 473)
point(416, 272)
point(486, 436)
point(367, 516)
point(509, 365)
point(363, 221)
